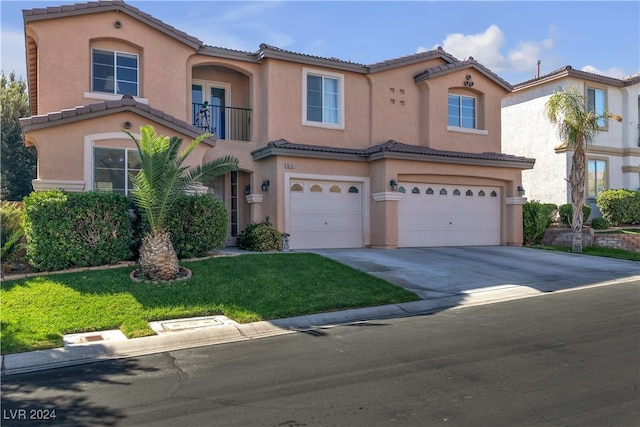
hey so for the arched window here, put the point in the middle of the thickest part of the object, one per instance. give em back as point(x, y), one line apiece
point(494, 194)
point(315, 188)
point(456, 192)
point(334, 189)
point(353, 189)
point(443, 191)
point(481, 193)
point(296, 187)
point(469, 193)
point(402, 190)
point(415, 190)
point(429, 191)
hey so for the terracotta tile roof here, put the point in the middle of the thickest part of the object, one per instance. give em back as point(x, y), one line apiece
point(105, 6)
point(461, 65)
point(568, 71)
point(416, 152)
point(111, 107)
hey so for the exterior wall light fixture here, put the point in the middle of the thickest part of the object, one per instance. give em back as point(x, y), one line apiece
point(247, 190)
point(394, 185)
point(520, 190)
point(265, 185)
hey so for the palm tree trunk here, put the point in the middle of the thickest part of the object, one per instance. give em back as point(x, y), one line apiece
point(577, 178)
point(158, 259)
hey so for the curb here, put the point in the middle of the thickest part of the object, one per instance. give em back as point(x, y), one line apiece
point(107, 350)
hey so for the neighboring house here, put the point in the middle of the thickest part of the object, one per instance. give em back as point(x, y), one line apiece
point(613, 157)
point(404, 152)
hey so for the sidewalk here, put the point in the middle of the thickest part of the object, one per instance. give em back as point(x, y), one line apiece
point(234, 332)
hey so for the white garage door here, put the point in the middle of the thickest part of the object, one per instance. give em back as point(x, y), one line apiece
point(325, 214)
point(448, 215)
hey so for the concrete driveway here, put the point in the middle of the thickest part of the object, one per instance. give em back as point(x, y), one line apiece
point(447, 271)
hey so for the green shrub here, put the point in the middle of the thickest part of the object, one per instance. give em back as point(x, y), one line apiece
point(76, 229)
point(197, 224)
point(260, 237)
point(566, 213)
point(620, 206)
point(600, 223)
point(536, 218)
point(11, 230)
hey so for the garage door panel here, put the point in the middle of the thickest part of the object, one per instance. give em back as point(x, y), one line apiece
point(453, 215)
point(325, 214)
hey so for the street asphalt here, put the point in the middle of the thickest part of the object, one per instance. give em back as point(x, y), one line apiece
point(445, 278)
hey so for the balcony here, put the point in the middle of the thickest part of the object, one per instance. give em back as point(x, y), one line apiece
point(225, 122)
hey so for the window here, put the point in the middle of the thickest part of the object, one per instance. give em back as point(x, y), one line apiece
point(112, 169)
point(462, 111)
point(596, 177)
point(114, 72)
point(597, 101)
point(322, 99)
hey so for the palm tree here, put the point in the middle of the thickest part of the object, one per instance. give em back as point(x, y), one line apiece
point(162, 177)
point(577, 125)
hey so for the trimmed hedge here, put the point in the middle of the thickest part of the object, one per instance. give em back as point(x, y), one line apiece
point(76, 229)
point(566, 213)
point(260, 237)
point(600, 223)
point(620, 206)
point(536, 218)
point(198, 224)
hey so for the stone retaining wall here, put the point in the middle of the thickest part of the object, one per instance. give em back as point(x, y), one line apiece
point(627, 242)
point(564, 237)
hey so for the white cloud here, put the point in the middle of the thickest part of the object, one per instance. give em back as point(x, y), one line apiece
point(487, 49)
point(614, 72)
point(13, 56)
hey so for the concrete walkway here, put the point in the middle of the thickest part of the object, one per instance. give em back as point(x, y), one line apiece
point(445, 278)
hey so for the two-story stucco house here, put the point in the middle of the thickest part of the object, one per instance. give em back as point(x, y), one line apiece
point(403, 153)
point(613, 157)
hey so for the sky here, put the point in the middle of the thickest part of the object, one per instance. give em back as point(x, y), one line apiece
point(508, 37)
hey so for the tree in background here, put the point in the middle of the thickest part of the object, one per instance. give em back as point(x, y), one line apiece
point(577, 125)
point(18, 162)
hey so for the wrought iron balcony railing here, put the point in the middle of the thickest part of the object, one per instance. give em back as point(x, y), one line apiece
point(224, 122)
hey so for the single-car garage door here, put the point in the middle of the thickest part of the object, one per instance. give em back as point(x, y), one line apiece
point(448, 215)
point(325, 214)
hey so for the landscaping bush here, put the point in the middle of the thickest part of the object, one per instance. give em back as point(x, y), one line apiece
point(620, 206)
point(600, 224)
point(197, 224)
point(536, 218)
point(11, 231)
point(76, 229)
point(566, 213)
point(260, 237)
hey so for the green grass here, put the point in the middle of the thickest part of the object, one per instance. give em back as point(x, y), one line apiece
point(597, 251)
point(619, 231)
point(37, 311)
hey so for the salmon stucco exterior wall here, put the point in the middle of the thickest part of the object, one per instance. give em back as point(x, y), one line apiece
point(405, 152)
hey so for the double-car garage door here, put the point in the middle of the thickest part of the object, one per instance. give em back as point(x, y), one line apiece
point(448, 215)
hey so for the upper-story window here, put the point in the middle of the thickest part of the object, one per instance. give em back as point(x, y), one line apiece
point(597, 101)
point(114, 72)
point(323, 99)
point(462, 111)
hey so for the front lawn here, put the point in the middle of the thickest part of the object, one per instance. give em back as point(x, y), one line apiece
point(36, 312)
point(598, 251)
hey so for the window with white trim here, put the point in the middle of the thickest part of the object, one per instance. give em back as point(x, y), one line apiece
point(323, 99)
point(113, 167)
point(462, 111)
point(114, 72)
point(597, 101)
point(596, 177)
